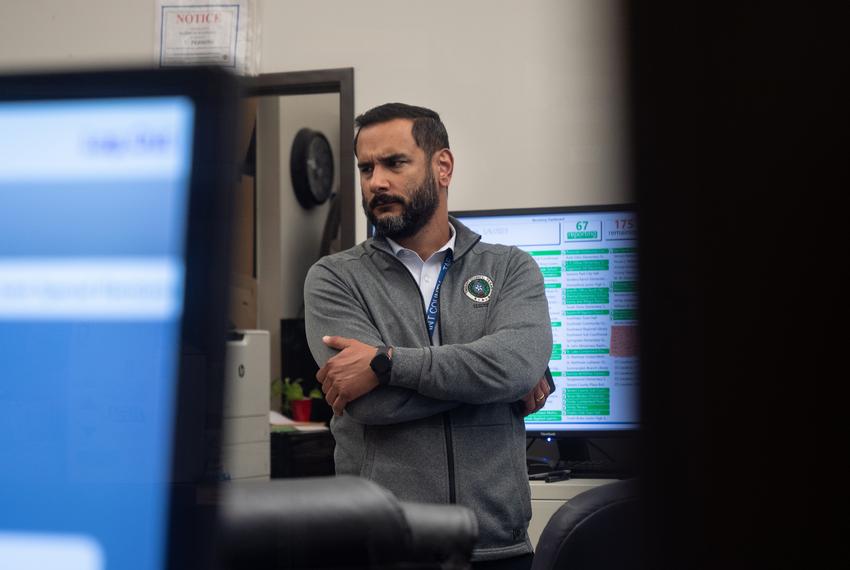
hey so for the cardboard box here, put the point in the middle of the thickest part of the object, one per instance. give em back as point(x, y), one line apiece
point(242, 245)
point(243, 301)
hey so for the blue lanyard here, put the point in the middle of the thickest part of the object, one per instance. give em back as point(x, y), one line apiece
point(433, 311)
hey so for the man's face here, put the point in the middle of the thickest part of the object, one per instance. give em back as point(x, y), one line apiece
point(400, 193)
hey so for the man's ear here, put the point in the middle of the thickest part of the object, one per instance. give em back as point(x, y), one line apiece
point(445, 162)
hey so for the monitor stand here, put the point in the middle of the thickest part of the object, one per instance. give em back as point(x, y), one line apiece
point(613, 457)
point(573, 449)
point(556, 456)
point(540, 456)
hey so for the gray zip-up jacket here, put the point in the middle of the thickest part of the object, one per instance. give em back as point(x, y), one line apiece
point(447, 428)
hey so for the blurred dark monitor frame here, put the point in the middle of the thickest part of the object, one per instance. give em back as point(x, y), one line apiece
point(124, 170)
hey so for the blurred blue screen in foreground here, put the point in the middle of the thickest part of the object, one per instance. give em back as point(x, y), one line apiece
point(93, 209)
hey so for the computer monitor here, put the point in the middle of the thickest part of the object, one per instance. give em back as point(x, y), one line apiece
point(588, 258)
point(113, 272)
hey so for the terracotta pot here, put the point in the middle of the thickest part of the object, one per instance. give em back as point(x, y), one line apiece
point(301, 410)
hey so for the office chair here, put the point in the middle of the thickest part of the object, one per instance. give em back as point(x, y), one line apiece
point(596, 530)
point(341, 522)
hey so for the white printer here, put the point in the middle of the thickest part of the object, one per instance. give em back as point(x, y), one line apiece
point(245, 445)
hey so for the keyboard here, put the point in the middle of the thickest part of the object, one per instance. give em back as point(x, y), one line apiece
point(592, 469)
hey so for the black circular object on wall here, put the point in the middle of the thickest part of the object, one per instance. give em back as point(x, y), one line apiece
point(311, 166)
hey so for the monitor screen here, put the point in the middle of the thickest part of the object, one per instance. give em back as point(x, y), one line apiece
point(588, 258)
point(95, 195)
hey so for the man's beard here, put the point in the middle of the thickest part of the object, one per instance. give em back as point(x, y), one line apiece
point(416, 211)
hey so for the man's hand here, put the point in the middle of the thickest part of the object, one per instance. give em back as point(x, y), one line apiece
point(536, 399)
point(347, 375)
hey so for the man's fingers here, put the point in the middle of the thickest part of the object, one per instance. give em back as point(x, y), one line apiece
point(331, 394)
point(338, 342)
point(538, 405)
point(338, 406)
point(322, 374)
point(536, 399)
point(541, 392)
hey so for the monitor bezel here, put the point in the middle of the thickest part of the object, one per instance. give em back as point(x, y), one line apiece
point(531, 432)
point(214, 93)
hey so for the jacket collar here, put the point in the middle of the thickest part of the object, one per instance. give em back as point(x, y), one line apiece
point(465, 238)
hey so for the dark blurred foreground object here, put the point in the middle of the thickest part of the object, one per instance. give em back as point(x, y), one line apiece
point(739, 147)
point(598, 529)
point(115, 207)
point(339, 522)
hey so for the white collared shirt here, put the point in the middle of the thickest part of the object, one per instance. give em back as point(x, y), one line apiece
point(426, 272)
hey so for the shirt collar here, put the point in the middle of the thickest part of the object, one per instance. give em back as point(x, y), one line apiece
point(448, 245)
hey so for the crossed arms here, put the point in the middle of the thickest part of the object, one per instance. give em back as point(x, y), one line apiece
point(504, 365)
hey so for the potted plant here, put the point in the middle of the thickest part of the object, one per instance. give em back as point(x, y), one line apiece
point(293, 402)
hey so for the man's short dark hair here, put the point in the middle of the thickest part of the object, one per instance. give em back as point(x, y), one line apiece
point(429, 133)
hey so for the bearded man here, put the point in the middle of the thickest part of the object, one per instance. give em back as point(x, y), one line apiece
point(432, 345)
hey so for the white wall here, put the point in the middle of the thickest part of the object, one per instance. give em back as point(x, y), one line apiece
point(530, 92)
point(75, 33)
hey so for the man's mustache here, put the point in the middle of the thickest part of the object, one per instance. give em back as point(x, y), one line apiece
point(383, 200)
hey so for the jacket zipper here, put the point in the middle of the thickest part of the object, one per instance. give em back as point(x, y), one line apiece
point(447, 423)
point(447, 429)
point(450, 456)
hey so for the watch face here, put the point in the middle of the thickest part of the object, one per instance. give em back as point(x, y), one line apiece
point(381, 363)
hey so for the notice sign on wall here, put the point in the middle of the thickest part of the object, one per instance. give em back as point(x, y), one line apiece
point(198, 32)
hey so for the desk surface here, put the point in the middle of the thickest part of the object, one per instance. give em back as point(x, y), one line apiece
point(563, 490)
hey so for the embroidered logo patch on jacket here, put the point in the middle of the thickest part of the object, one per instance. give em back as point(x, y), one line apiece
point(478, 288)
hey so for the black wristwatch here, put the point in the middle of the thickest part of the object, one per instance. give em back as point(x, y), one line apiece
point(382, 365)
